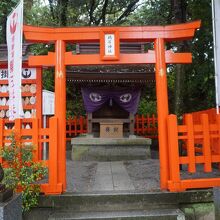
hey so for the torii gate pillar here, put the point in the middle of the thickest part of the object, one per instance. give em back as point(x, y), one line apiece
point(162, 109)
point(60, 109)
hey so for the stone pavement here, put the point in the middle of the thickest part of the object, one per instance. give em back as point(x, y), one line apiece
point(112, 176)
point(138, 175)
point(90, 176)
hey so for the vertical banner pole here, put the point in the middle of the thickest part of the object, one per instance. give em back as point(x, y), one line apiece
point(45, 143)
point(215, 55)
point(14, 44)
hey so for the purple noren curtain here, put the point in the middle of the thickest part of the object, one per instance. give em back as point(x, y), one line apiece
point(94, 98)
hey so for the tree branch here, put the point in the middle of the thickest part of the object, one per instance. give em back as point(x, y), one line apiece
point(63, 13)
point(103, 14)
point(130, 8)
point(51, 9)
point(91, 11)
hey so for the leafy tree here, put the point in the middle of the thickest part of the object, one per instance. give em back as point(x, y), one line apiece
point(91, 12)
point(192, 85)
point(199, 86)
point(5, 9)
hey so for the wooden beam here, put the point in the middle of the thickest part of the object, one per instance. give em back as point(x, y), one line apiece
point(111, 76)
point(142, 58)
point(92, 34)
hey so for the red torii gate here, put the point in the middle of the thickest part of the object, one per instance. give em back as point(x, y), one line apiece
point(160, 57)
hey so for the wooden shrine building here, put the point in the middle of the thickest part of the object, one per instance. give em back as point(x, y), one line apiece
point(110, 116)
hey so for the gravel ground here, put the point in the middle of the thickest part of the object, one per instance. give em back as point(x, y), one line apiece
point(80, 175)
point(199, 172)
point(143, 173)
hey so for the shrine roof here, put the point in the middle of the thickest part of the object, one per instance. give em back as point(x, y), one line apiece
point(141, 74)
point(4, 52)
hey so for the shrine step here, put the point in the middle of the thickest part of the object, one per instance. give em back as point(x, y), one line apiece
point(122, 200)
point(164, 214)
point(110, 149)
point(118, 205)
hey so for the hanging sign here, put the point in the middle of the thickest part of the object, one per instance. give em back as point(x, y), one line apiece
point(27, 73)
point(109, 44)
point(48, 102)
point(14, 44)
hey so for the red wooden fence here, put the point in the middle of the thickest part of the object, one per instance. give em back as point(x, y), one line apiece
point(208, 133)
point(75, 126)
point(197, 120)
point(30, 131)
point(144, 126)
point(196, 115)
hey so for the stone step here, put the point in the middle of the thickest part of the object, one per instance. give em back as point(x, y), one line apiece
point(122, 200)
point(117, 202)
point(110, 149)
point(110, 153)
point(159, 214)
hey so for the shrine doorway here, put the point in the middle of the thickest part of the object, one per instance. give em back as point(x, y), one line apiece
point(107, 160)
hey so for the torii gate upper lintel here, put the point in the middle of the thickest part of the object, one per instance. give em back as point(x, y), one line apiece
point(159, 56)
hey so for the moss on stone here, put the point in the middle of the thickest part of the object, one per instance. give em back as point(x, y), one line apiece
point(78, 153)
point(198, 211)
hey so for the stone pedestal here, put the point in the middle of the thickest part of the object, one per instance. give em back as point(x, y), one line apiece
point(110, 149)
point(11, 209)
point(216, 199)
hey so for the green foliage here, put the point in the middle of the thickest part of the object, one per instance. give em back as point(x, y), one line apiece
point(199, 90)
point(38, 14)
point(74, 105)
point(91, 12)
point(147, 106)
point(21, 172)
point(5, 9)
point(152, 12)
point(197, 86)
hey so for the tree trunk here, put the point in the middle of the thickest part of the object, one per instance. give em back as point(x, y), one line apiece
point(63, 12)
point(179, 16)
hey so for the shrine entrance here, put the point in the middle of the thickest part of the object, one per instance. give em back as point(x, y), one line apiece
point(109, 39)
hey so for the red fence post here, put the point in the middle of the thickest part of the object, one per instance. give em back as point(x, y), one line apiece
point(86, 124)
point(18, 126)
point(75, 125)
point(54, 187)
point(81, 125)
point(35, 136)
point(218, 129)
point(148, 129)
point(173, 146)
point(142, 124)
point(190, 143)
point(136, 124)
point(206, 143)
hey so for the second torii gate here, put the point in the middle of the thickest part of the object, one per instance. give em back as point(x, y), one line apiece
point(110, 38)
